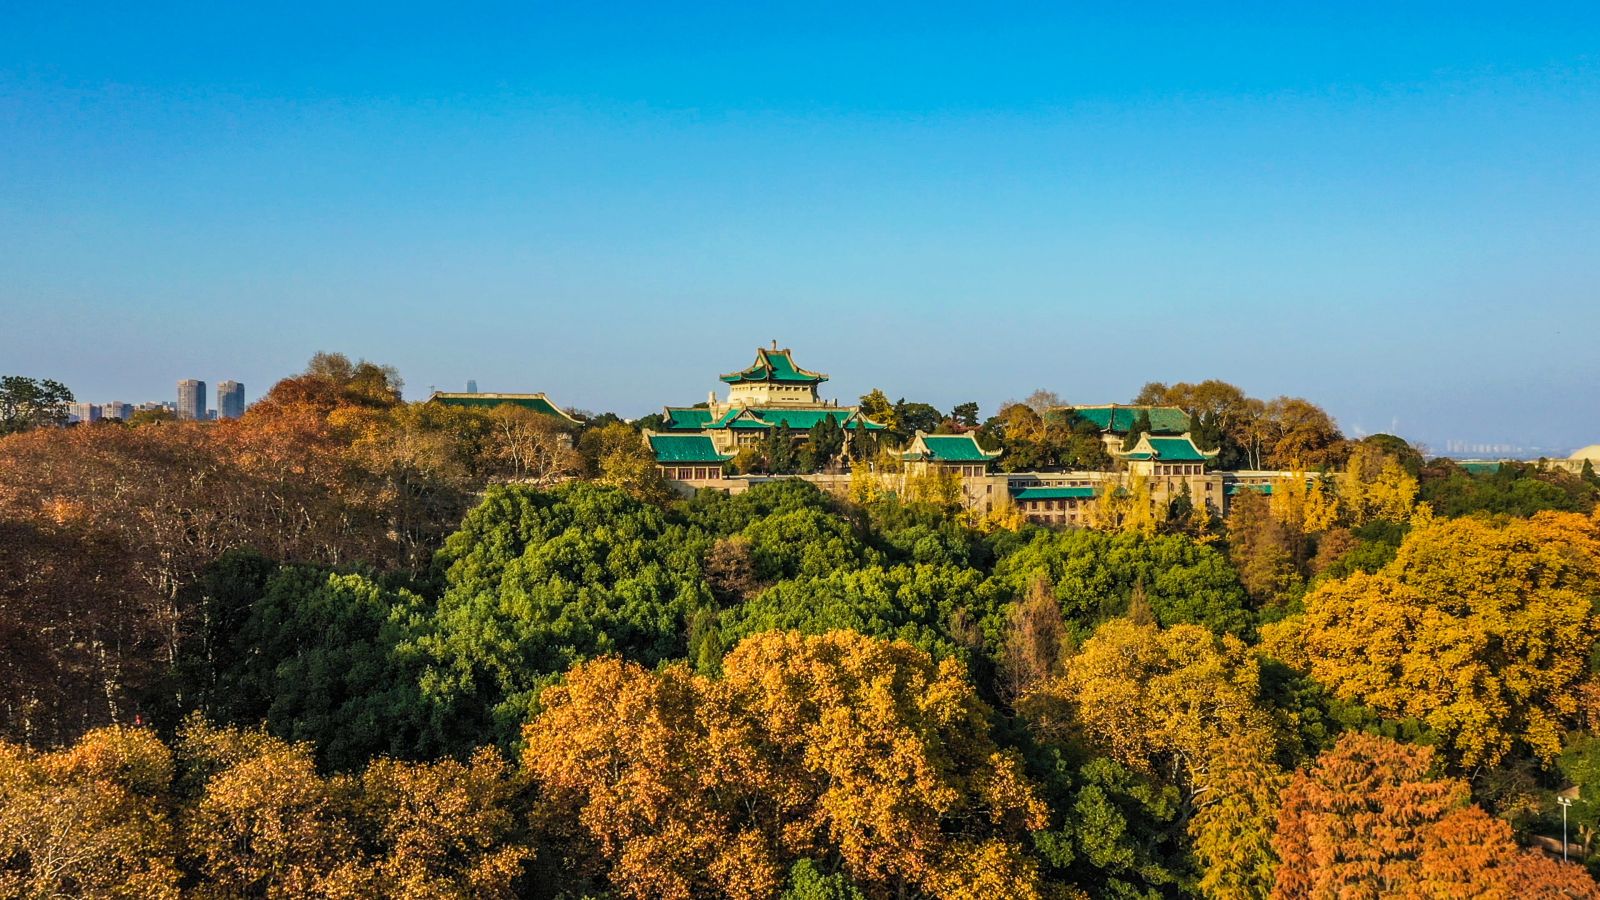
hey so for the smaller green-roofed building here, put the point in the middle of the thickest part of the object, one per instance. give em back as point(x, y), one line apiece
point(676, 448)
point(538, 403)
point(957, 453)
point(1161, 456)
point(689, 458)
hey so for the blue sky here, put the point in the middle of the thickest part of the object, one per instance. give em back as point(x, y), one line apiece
point(1392, 209)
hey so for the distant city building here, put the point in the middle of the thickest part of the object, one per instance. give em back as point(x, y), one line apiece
point(230, 400)
point(84, 413)
point(191, 399)
point(116, 409)
point(472, 386)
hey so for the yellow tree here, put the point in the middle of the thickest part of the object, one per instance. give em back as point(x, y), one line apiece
point(88, 821)
point(835, 745)
point(1128, 508)
point(890, 758)
point(1304, 504)
point(263, 823)
point(1182, 702)
point(1481, 630)
point(619, 457)
point(671, 789)
point(1375, 486)
point(445, 829)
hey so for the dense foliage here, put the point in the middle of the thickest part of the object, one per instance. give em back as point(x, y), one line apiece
point(350, 647)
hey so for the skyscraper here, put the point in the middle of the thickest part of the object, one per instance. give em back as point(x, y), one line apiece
point(116, 409)
point(230, 400)
point(191, 399)
point(472, 386)
point(84, 413)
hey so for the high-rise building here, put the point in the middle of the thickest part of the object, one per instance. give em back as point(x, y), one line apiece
point(84, 413)
point(230, 400)
point(472, 386)
point(116, 409)
point(191, 399)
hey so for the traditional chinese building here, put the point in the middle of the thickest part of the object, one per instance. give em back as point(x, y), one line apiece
point(771, 393)
point(695, 444)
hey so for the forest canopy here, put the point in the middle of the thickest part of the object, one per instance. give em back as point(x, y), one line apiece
point(348, 646)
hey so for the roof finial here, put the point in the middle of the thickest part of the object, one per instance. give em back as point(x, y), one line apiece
point(774, 343)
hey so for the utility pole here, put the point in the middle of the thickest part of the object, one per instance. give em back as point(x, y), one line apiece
point(1565, 802)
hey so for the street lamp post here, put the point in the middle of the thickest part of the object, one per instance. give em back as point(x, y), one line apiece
point(1565, 802)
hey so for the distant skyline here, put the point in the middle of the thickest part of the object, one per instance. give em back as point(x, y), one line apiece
point(1393, 212)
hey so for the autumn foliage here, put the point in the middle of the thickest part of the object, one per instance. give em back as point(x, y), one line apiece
point(1371, 818)
point(351, 647)
point(836, 745)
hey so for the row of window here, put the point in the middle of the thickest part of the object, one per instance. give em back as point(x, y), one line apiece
point(1032, 505)
point(691, 473)
point(977, 471)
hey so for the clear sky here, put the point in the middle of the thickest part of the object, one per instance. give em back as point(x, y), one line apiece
point(1390, 208)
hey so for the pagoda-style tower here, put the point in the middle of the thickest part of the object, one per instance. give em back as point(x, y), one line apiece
point(774, 380)
point(770, 393)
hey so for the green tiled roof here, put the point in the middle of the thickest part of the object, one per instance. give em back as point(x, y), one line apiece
point(1139, 456)
point(1231, 489)
point(1055, 493)
point(775, 365)
point(1120, 419)
point(537, 402)
point(682, 418)
point(685, 448)
point(749, 418)
point(803, 419)
point(952, 448)
point(1177, 449)
point(1479, 466)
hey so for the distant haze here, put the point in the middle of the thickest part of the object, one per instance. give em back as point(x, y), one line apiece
point(1392, 212)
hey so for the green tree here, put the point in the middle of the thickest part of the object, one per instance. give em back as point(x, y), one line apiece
point(1140, 427)
point(1095, 575)
point(31, 403)
point(537, 581)
point(911, 418)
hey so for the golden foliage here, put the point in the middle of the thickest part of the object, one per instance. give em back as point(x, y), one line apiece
point(1480, 630)
point(1304, 504)
point(89, 820)
point(1376, 487)
point(264, 822)
point(691, 787)
point(665, 781)
point(1130, 508)
point(1180, 700)
point(444, 829)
